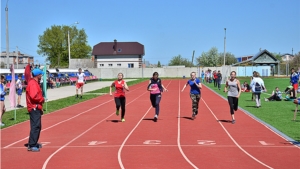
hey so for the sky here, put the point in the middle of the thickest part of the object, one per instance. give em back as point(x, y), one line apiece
point(166, 28)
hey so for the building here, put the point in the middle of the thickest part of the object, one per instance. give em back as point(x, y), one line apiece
point(287, 57)
point(243, 58)
point(17, 56)
point(118, 54)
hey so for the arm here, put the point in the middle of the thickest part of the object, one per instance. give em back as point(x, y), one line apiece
point(110, 88)
point(165, 89)
point(125, 86)
point(184, 87)
point(198, 85)
point(225, 88)
point(149, 86)
point(239, 86)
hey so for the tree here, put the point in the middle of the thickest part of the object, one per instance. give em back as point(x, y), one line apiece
point(278, 57)
point(296, 62)
point(229, 58)
point(178, 60)
point(210, 58)
point(53, 44)
point(158, 64)
point(2, 65)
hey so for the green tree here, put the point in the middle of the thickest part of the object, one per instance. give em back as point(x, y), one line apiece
point(277, 56)
point(158, 64)
point(53, 44)
point(178, 60)
point(229, 59)
point(210, 58)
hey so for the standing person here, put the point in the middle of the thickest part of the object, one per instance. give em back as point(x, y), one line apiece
point(202, 76)
point(155, 87)
point(233, 94)
point(294, 80)
point(257, 85)
point(119, 95)
point(215, 77)
point(19, 90)
point(219, 79)
point(80, 82)
point(195, 93)
point(2, 98)
point(35, 100)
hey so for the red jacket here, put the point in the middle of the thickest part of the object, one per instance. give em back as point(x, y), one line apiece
point(34, 96)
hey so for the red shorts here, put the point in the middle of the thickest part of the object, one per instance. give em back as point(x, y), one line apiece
point(295, 86)
point(79, 85)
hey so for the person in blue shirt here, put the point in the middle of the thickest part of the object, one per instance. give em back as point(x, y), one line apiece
point(195, 93)
point(202, 76)
point(294, 80)
point(2, 97)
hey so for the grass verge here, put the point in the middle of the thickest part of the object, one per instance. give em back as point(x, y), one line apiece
point(278, 114)
point(22, 114)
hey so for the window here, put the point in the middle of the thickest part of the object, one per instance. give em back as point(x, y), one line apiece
point(110, 65)
point(130, 65)
point(101, 65)
point(119, 64)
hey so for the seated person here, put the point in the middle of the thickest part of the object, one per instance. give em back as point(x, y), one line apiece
point(297, 102)
point(246, 87)
point(290, 93)
point(276, 95)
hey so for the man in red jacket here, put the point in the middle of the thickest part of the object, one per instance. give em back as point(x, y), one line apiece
point(35, 100)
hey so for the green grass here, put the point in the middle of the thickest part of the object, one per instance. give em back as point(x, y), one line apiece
point(22, 114)
point(278, 114)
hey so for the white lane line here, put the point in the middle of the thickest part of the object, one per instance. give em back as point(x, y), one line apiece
point(48, 159)
point(178, 133)
point(234, 139)
point(122, 145)
point(65, 120)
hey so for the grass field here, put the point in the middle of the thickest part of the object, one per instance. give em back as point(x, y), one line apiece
point(22, 114)
point(279, 114)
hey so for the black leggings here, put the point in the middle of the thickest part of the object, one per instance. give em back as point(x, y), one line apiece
point(155, 100)
point(233, 104)
point(120, 102)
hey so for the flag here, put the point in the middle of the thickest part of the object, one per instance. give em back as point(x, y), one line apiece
point(12, 88)
point(45, 82)
point(27, 73)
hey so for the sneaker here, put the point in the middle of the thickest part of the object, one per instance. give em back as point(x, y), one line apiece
point(123, 120)
point(233, 121)
point(155, 118)
point(266, 99)
point(193, 116)
point(33, 149)
point(117, 112)
point(38, 144)
point(76, 96)
point(2, 124)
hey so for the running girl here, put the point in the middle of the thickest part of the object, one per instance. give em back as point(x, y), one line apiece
point(233, 95)
point(155, 87)
point(2, 98)
point(119, 95)
point(79, 83)
point(195, 93)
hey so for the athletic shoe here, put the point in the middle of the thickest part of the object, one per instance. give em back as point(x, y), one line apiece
point(233, 121)
point(2, 124)
point(33, 149)
point(266, 99)
point(155, 118)
point(117, 112)
point(123, 120)
point(38, 144)
point(193, 116)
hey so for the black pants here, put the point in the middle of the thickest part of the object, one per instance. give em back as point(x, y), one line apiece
point(215, 82)
point(274, 97)
point(219, 83)
point(155, 100)
point(120, 102)
point(35, 127)
point(233, 104)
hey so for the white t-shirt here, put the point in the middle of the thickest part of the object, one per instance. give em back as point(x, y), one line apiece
point(80, 77)
point(19, 84)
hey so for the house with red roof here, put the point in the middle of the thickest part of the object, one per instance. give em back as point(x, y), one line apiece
point(118, 54)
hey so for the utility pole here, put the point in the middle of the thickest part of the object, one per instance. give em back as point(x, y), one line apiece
point(17, 58)
point(7, 45)
point(224, 45)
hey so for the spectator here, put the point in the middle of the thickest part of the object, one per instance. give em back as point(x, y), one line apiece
point(290, 93)
point(219, 79)
point(276, 95)
point(19, 89)
point(246, 87)
point(294, 80)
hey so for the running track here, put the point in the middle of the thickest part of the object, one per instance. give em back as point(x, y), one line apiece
point(89, 135)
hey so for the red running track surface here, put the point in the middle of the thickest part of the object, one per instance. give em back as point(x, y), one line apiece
point(90, 135)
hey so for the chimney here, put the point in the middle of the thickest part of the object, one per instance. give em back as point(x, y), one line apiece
point(115, 47)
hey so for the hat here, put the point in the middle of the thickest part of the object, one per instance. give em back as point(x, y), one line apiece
point(37, 72)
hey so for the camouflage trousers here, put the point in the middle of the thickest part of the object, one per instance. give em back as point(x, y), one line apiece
point(195, 102)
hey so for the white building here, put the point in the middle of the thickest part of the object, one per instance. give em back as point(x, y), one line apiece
point(118, 54)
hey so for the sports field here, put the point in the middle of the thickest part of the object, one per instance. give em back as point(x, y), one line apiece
point(90, 135)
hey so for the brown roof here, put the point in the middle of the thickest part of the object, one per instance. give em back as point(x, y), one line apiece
point(123, 48)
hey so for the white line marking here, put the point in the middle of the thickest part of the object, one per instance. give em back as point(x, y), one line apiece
point(152, 142)
point(93, 143)
point(234, 139)
point(178, 133)
point(264, 143)
point(64, 120)
point(48, 159)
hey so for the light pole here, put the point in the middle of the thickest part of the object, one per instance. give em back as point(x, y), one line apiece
point(7, 45)
point(224, 45)
point(69, 43)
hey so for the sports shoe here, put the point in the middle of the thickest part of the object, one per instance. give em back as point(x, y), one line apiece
point(233, 121)
point(266, 99)
point(193, 116)
point(117, 112)
point(2, 124)
point(155, 118)
point(33, 149)
point(123, 120)
point(38, 144)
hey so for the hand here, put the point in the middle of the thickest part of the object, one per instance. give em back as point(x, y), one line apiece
point(166, 90)
point(237, 96)
point(110, 94)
